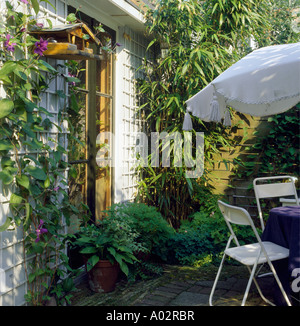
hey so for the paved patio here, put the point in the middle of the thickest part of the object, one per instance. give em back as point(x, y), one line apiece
point(196, 293)
point(179, 286)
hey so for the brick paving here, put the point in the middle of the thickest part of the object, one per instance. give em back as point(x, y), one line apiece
point(178, 290)
point(196, 293)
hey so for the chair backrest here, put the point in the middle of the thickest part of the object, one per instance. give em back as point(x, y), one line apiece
point(271, 187)
point(236, 215)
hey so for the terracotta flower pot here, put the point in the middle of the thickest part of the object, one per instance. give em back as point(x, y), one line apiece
point(103, 276)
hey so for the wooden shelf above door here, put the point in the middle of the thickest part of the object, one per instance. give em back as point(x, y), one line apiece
point(67, 51)
point(69, 42)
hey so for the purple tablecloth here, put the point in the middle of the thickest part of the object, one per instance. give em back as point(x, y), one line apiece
point(283, 228)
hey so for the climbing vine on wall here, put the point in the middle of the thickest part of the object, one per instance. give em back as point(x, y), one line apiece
point(277, 151)
point(33, 165)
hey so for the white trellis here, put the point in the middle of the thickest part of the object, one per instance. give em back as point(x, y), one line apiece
point(13, 285)
point(129, 120)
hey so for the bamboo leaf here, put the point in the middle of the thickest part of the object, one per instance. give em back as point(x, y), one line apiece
point(184, 69)
point(36, 6)
point(190, 186)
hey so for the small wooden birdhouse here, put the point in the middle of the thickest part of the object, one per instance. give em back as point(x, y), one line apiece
point(69, 42)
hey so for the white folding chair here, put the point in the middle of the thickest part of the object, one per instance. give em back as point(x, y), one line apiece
point(252, 254)
point(271, 187)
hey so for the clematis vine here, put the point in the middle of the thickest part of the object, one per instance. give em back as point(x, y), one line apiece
point(41, 46)
point(71, 83)
point(40, 230)
point(9, 45)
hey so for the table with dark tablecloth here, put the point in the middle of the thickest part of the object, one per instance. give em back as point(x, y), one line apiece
point(283, 228)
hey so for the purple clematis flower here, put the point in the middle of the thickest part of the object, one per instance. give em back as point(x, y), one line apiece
point(40, 25)
point(9, 46)
point(71, 83)
point(24, 1)
point(39, 231)
point(41, 46)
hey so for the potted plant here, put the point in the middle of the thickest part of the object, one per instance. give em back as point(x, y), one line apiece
point(108, 247)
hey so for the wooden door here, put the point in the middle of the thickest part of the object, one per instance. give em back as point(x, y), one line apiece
point(104, 99)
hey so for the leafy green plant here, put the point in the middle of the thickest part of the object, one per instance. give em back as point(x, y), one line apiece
point(283, 23)
point(111, 239)
point(205, 199)
point(144, 269)
point(153, 230)
point(277, 151)
point(202, 236)
point(236, 20)
point(186, 247)
point(203, 239)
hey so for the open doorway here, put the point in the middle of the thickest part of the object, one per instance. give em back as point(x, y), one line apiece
point(94, 102)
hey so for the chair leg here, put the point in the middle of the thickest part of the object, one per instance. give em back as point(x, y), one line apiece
point(259, 289)
point(249, 282)
point(216, 280)
point(273, 272)
point(261, 294)
point(279, 284)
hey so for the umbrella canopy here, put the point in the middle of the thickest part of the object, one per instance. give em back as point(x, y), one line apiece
point(264, 82)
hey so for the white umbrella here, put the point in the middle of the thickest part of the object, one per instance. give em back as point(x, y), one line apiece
point(264, 82)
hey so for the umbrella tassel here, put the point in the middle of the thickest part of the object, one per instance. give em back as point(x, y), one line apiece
point(227, 118)
point(215, 110)
point(187, 123)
